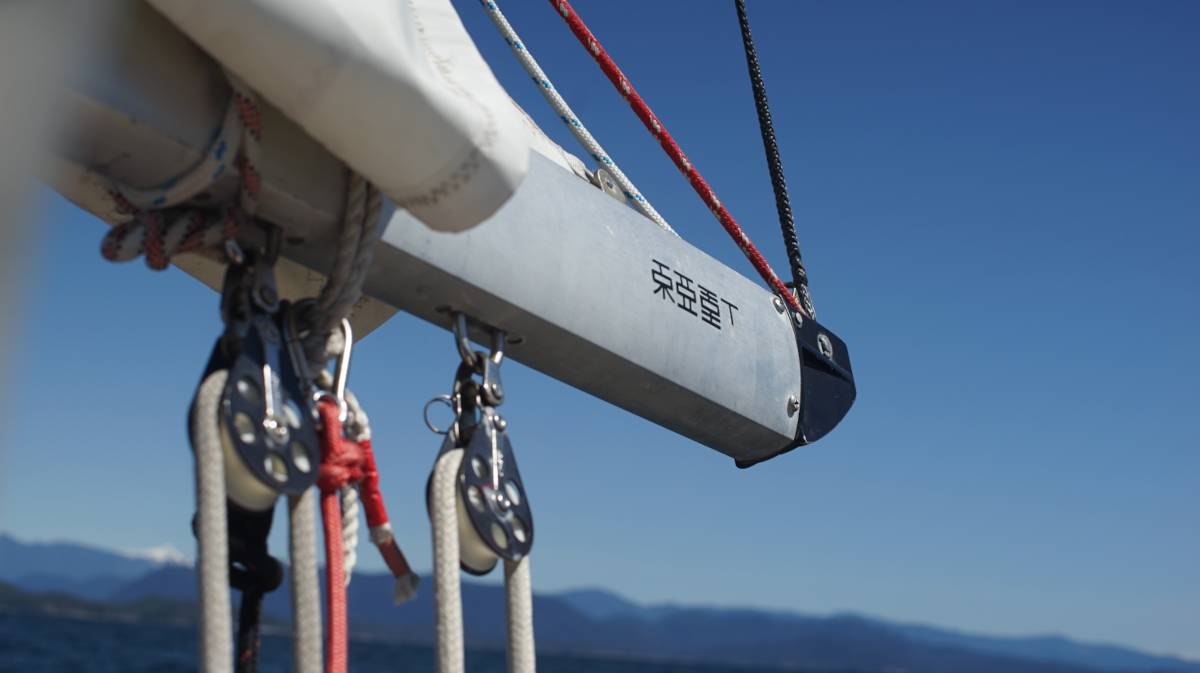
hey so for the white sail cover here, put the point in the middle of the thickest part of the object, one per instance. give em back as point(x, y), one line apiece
point(394, 88)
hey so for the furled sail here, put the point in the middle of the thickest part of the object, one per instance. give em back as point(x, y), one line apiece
point(396, 89)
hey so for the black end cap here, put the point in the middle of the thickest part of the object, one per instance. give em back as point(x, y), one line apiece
point(827, 388)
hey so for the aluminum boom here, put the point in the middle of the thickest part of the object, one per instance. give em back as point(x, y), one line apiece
point(590, 292)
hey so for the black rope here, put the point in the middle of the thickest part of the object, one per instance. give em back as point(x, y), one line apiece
point(799, 276)
point(248, 640)
point(254, 573)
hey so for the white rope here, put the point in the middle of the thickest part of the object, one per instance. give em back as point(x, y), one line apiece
point(518, 604)
point(444, 521)
point(443, 515)
point(350, 511)
point(212, 553)
point(306, 592)
point(568, 117)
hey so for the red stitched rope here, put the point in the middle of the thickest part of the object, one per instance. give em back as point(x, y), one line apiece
point(643, 111)
point(345, 462)
point(341, 461)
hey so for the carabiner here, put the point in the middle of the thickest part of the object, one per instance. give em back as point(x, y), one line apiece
point(340, 375)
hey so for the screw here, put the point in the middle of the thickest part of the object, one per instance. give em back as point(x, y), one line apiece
point(778, 303)
point(276, 428)
point(798, 318)
point(825, 345)
point(234, 253)
point(793, 405)
point(501, 424)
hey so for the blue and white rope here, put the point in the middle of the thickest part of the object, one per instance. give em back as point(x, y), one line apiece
point(568, 117)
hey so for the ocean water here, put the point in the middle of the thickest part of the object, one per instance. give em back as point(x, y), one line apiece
point(60, 645)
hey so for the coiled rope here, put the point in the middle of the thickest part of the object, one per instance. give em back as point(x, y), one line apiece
point(159, 228)
point(652, 124)
point(778, 184)
point(568, 116)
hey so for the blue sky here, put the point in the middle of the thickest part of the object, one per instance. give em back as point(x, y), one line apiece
point(998, 204)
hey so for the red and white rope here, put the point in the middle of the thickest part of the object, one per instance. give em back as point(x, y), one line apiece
point(568, 116)
point(643, 111)
point(161, 231)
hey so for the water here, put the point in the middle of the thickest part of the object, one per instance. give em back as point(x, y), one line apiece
point(61, 645)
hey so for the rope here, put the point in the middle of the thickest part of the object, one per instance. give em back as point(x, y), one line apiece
point(568, 117)
point(212, 555)
point(447, 596)
point(673, 150)
point(518, 604)
point(159, 229)
point(346, 463)
point(775, 163)
point(306, 594)
point(348, 500)
point(355, 251)
point(341, 464)
point(249, 623)
point(335, 586)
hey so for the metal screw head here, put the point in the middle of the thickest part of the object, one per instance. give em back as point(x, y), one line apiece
point(778, 303)
point(793, 405)
point(500, 423)
point(234, 252)
point(798, 318)
point(825, 345)
point(276, 428)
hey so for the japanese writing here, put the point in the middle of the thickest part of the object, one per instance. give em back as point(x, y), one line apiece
point(691, 296)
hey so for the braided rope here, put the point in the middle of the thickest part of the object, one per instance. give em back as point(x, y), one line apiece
point(306, 592)
point(212, 534)
point(350, 510)
point(518, 609)
point(447, 592)
point(775, 163)
point(643, 111)
point(158, 228)
point(359, 231)
point(568, 117)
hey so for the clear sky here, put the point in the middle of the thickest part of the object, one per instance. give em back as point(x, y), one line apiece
point(998, 203)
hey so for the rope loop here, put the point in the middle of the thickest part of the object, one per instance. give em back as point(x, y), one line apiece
point(160, 226)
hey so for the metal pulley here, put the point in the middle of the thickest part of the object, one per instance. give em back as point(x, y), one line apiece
point(266, 415)
point(494, 517)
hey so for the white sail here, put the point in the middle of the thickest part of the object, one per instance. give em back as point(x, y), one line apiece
point(395, 89)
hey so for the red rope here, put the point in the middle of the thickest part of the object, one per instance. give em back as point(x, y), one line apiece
point(672, 149)
point(340, 465)
point(345, 462)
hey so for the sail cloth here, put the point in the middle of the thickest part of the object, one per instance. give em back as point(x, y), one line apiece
point(397, 90)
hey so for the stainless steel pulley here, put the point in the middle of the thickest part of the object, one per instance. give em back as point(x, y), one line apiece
point(494, 517)
point(265, 416)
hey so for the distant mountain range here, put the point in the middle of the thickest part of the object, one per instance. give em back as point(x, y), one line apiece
point(72, 580)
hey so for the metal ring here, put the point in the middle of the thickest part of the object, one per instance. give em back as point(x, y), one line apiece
point(444, 399)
